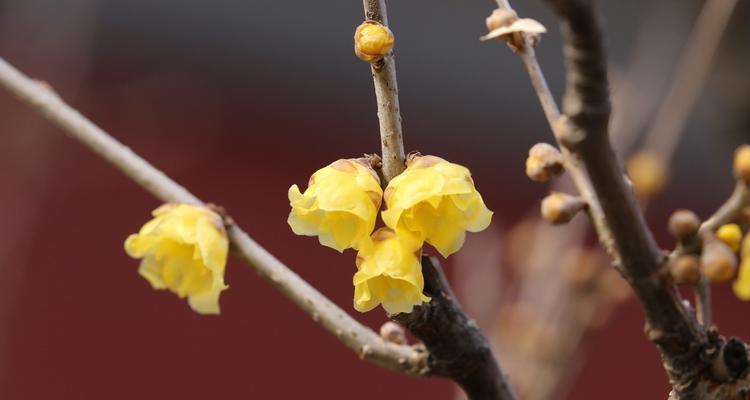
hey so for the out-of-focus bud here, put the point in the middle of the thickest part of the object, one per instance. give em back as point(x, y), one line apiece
point(393, 332)
point(560, 208)
point(684, 224)
point(372, 41)
point(648, 174)
point(685, 270)
point(718, 262)
point(742, 163)
point(544, 162)
point(731, 235)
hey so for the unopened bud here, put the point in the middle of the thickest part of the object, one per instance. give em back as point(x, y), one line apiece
point(718, 262)
point(684, 224)
point(685, 270)
point(742, 163)
point(731, 235)
point(372, 41)
point(500, 18)
point(560, 208)
point(544, 162)
point(648, 174)
point(393, 332)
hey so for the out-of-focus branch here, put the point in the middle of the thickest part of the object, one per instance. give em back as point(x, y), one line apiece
point(690, 77)
point(458, 349)
point(731, 209)
point(362, 340)
point(589, 158)
point(386, 92)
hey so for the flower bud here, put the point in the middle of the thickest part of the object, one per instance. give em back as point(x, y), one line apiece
point(731, 235)
point(684, 224)
point(742, 163)
point(544, 162)
point(500, 18)
point(560, 208)
point(393, 332)
point(648, 174)
point(718, 262)
point(372, 41)
point(505, 25)
point(685, 270)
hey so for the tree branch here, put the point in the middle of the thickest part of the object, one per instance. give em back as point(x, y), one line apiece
point(386, 92)
point(458, 349)
point(672, 115)
point(357, 337)
point(589, 158)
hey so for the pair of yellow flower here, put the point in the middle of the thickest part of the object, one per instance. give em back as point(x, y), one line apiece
point(432, 201)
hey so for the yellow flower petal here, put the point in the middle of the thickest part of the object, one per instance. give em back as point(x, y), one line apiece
point(183, 249)
point(339, 206)
point(389, 273)
point(437, 201)
point(742, 285)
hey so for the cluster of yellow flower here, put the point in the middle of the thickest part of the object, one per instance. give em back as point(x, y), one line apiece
point(432, 201)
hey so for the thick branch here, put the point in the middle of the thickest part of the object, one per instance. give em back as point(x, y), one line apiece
point(589, 158)
point(386, 92)
point(458, 350)
point(351, 333)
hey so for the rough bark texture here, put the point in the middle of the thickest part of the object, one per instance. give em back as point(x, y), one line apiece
point(695, 360)
point(458, 349)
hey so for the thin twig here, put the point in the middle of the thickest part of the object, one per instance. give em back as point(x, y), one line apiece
point(703, 302)
point(386, 92)
point(730, 210)
point(362, 340)
point(690, 77)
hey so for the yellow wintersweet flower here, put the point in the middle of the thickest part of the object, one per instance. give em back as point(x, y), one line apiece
point(436, 200)
point(389, 273)
point(731, 234)
point(340, 205)
point(742, 284)
point(183, 249)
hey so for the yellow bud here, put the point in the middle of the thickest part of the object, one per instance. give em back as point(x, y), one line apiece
point(544, 162)
point(685, 270)
point(742, 163)
point(718, 262)
point(560, 208)
point(372, 41)
point(683, 224)
point(731, 235)
point(648, 173)
point(183, 249)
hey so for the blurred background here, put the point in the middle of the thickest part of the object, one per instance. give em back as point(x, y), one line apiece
point(238, 100)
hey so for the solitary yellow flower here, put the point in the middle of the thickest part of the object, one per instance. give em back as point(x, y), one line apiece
point(340, 205)
point(389, 273)
point(437, 201)
point(183, 249)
